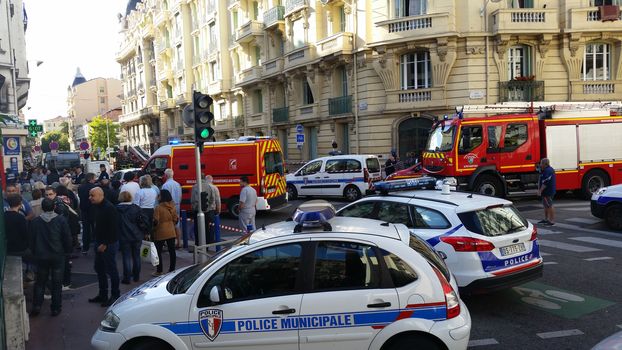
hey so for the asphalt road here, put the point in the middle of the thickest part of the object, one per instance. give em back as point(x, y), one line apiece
point(576, 304)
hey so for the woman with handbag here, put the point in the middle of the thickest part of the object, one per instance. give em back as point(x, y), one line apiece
point(132, 227)
point(164, 220)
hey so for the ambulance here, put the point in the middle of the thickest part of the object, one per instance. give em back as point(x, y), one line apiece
point(258, 158)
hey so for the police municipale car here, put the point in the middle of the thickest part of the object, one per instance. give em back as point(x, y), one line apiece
point(486, 242)
point(607, 204)
point(314, 282)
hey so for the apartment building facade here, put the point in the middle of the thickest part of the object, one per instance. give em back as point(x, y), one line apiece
point(371, 75)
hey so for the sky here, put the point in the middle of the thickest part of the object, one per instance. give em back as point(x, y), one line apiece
point(65, 35)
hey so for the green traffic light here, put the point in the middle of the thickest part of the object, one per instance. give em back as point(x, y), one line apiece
point(205, 133)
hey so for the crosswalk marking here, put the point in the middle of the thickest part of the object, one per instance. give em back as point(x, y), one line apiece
point(559, 334)
point(601, 241)
point(599, 258)
point(567, 246)
point(544, 254)
point(544, 231)
point(583, 220)
point(550, 263)
point(482, 342)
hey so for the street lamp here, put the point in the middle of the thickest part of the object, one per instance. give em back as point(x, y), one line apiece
point(482, 13)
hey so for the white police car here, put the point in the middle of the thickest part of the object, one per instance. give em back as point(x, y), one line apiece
point(487, 243)
point(607, 204)
point(310, 283)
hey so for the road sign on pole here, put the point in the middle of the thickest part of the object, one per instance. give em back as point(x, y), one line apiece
point(84, 145)
point(300, 138)
point(300, 129)
point(54, 145)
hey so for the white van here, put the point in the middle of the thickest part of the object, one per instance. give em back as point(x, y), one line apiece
point(346, 175)
point(93, 167)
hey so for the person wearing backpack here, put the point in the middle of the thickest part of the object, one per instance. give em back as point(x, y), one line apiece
point(213, 207)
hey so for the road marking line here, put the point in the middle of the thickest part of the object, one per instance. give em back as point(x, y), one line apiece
point(599, 258)
point(566, 246)
point(583, 220)
point(587, 230)
point(483, 342)
point(543, 231)
point(545, 254)
point(575, 209)
point(601, 241)
point(570, 205)
point(559, 334)
point(550, 263)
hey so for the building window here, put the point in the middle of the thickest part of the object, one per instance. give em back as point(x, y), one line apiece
point(307, 94)
point(255, 10)
point(258, 101)
point(257, 56)
point(213, 40)
point(341, 81)
point(102, 100)
point(299, 33)
point(222, 108)
point(416, 70)
point(101, 90)
point(342, 19)
point(605, 2)
point(212, 70)
point(519, 62)
point(177, 25)
point(234, 16)
point(597, 62)
point(412, 138)
point(405, 8)
point(521, 4)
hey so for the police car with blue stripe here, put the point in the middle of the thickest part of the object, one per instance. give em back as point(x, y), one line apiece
point(486, 242)
point(313, 282)
point(607, 204)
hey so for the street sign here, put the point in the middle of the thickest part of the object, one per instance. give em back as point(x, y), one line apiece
point(84, 145)
point(300, 129)
point(37, 148)
point(300, 138)
point(33, 128)
point(32, 122)
point(54, 146)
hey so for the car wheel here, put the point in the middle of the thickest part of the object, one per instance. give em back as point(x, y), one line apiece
point(593, 181)
point(148, 344)
point(292, 193)
point(613, 217)
point(351, 193)
point(489, 185)
point(233, 205)
point(412, 341)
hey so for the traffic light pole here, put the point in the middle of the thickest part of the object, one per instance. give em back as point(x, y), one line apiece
point(200, 220)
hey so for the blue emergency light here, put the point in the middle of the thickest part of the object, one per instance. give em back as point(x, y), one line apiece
point(421, 183)
point(314, 214)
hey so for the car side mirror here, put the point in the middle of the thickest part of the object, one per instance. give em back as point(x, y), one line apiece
point(214, 294)
point(442, 254)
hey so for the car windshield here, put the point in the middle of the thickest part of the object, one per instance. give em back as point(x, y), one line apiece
point(441, 138)
point(274, 163)
point(494, 221)
point(183, 280)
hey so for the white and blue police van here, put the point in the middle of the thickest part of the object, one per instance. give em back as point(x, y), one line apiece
point(606, 204)
point(313, 282)
point(486, 242)
point(348, 176)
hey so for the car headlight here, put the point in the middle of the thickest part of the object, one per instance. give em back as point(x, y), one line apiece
point(110, 322)
point(601, 191)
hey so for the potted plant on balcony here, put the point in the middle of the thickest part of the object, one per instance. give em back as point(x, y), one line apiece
point(525, 78)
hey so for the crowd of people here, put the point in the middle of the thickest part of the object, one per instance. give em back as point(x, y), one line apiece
point(46, 212)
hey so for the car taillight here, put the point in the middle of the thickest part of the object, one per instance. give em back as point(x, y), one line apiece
point(366, 175)
point(452, 302)
point(534, 234)
point(262, 189)
point(468, 244)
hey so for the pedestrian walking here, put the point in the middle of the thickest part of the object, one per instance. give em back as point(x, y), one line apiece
point(248, 205)
point(174, 188)
point(79, 176)
point(213, 207)
point(164, 220)
point(146, 198)
point(53, 176)
point(16, 227)
point(35, 203)
point(132, 228)
point(109, 193)
point(51, 243)
point(103, 173)
point(24, 209)
point(546, 189)
point(130, 184)
point(106, 232)
point(85, 210)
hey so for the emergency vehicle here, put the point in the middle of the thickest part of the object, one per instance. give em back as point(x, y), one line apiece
point(607, 204)
point(258, 158)
point(495, 149)
point(486, 242)
point(310, 283)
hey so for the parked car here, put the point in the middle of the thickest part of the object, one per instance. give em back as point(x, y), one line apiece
point(607, 204)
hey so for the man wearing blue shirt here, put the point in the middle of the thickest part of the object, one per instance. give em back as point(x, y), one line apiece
point(546, 189)
point(25, 209)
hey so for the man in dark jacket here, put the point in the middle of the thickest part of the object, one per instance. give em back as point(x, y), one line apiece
point(106, 232)
point(85, 206)
point(51, 242)
point(132, 228)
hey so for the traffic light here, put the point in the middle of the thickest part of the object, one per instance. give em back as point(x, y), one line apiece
point(203, 117)
point(204, 201)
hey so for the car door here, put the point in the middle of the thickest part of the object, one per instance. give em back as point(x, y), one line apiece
point(349, 301)
point(308, 179)
point(334, 177)
point(430, 224)
point(247, 303)
point(517, 150)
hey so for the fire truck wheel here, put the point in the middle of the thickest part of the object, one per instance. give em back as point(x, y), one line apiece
point(613, 217)
point(352, 193)
point(593, 181)
point(489, 185)
point(234, 207)
point(292, 194)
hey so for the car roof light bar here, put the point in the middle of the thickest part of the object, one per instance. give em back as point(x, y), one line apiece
point(314, 214)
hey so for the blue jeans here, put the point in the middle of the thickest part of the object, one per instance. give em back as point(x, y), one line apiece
point(131, 259)
point(46, 268)
point(106, 266)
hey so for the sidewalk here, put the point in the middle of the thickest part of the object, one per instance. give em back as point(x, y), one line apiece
point(73, 328)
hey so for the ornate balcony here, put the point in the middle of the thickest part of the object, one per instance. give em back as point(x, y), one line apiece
point(300, 56)
point(338, 44)
point(588, 19)
point(257, 119)
point(222, 124)
point(274, 17)
point(150, 111)
point(129, 118)
point(280, 115)
point(596, 90)
point(218, 86)
point(421, 27)
point(274, 66)
point(249, 76)
point(294, 5)
point(525, 20)
point(415, 99)
point(305, 113)
point(248, 31)
point(521, 90)
point(340, 105)
point(167, 104)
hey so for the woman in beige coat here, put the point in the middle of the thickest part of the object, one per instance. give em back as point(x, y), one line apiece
point(164, 220)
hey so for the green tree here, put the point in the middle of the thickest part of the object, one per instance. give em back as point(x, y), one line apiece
point(103, 133)
point(61, 138)
point(64, 128)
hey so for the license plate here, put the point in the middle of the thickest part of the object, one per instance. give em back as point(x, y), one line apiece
point(512, 249)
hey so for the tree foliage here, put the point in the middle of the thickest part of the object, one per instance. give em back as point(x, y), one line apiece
point(98, 133)
point(61, 138)
point(64, 128)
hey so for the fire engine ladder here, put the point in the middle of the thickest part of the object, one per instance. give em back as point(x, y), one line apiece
point(559, 109)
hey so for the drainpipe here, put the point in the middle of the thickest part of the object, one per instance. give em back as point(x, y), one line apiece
point(356, 90)
point(487, 48)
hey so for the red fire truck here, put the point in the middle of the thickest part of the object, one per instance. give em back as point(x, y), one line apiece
point(261, 159)
point(495, 149)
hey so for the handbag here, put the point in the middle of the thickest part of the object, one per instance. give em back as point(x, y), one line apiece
point(148, 253)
